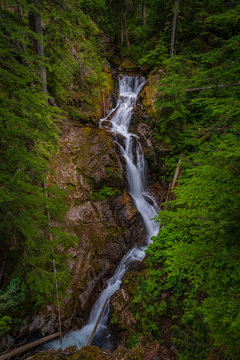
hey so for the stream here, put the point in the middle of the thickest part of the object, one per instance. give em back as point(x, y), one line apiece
point(118, 122)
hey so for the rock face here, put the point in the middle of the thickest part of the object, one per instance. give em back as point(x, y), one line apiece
point(142, 124)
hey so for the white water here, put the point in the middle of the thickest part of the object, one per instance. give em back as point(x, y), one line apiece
point(129, 88)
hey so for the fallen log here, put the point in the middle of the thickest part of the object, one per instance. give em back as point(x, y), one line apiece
point(176, 172)
point(104, 106)
point(98, 321)
point(24, 348)
point(212, 87)
point(175, 177)
point(168, 193)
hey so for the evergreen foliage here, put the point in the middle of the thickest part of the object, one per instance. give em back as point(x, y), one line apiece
point(199, 242)
point(29, 133)
point(32, 237)
point(12, 303)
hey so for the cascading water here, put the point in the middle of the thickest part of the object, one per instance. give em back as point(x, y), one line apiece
point(129, 88)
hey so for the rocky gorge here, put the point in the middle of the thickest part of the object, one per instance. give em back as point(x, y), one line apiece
point(101, 214)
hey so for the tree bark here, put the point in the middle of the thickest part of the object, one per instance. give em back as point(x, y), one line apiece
point(122, 29)
point(55, 272)
point(168, 193)
point(176, 172)
point(80, 62)
point(38, 45)
point(3, 266)
point(27, 347)
point(144, 12)
point(122, 22)
point(124, 33)
point(175, 177)
point(125, 26)
point(104, 105)
point(98, 321)
point(175, 15)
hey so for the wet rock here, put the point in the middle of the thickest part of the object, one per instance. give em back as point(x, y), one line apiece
point(38, 321)
point(50, 326)
point(142, 124)
point(111, 101)
point(120, 307)
point(159, 191)
point(124, 209)
point(6, 342)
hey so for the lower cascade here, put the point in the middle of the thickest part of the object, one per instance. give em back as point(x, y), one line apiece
point(117, 122)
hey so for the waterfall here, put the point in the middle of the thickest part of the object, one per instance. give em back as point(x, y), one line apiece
point(129, 88)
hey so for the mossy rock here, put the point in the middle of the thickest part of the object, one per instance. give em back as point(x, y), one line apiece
point(88, 353)
point(127, 64)
point(121, 303)
point(149, 94)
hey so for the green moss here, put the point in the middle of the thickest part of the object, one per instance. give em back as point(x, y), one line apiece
point(73, 112)
point(89, 353)
point(112, 171)
point(128, 64)
point(134, 340)
point(90, 180)
point(138, 352)
point(104, 193)
point(113, 232)
point(114, 319)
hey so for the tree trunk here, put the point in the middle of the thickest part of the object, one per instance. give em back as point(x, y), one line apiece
point(3, 5)
point(27, 347)
point(2, 268)
point(144, 12)
point(122, 29)
point(168, 193)
point(55, 271)
point(80, 62)
point(124, 33)
point(125, 26)
point(104, 105)
point(98, 321)
point(176, 172)
point(38, 45)
point(175, 15)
